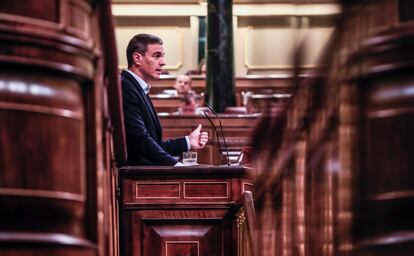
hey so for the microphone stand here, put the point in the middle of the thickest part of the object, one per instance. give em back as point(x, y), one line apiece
point(217, 135)
point(222, 133)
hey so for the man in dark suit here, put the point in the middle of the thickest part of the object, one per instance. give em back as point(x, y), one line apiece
point(145, 55)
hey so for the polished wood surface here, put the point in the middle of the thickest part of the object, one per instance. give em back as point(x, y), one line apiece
point(55, 149)
point(180, 210)
point(337, 178)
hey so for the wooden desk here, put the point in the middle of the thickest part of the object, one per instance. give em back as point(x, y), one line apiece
point(166, 103)
point(167, 82)
point(256, 84)
point(179, 211)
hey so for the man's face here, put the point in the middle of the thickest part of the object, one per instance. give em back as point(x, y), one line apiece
point(151, 62)
point(190, 107)
point(183, 84)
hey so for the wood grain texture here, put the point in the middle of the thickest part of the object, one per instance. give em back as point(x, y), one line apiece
point(340, 181)
point(54, 194)
point(199, 222)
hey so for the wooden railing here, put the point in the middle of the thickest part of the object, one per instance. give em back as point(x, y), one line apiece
point(340, 180)
point(246, 226)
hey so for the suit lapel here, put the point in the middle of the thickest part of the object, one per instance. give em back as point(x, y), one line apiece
point(154, 115)
point(147, 102)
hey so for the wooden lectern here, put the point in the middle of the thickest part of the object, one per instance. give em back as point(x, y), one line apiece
point(175, 211)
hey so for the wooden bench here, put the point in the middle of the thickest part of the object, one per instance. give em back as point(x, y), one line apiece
point(257, 84)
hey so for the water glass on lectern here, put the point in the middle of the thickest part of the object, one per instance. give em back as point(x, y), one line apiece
point(190, 158)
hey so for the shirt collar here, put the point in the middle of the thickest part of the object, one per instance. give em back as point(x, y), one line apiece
point(141, 82)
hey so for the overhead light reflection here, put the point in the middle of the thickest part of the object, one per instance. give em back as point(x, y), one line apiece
point(21, 87)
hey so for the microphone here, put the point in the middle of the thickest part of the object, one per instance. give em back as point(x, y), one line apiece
point(222, 133)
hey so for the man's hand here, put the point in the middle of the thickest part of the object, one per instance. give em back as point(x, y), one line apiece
point(197, 138)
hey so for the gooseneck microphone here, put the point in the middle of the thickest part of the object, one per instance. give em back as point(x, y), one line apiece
point(222, 133)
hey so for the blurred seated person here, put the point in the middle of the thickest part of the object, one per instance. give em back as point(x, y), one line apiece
point(182, 86)
point(190, 105)
point(202, 67)
point(200, 71)
point(248, 103)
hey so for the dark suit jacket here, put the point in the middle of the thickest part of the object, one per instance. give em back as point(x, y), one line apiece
point(143, 128)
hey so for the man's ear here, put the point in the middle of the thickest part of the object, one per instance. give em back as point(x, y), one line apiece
point(137, 57)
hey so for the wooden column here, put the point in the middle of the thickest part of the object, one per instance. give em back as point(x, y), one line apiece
point(54, 129)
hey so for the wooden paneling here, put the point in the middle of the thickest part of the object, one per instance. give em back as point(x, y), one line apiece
point(176, 239)
point(77, 18)
point(54, 193)
point(199, 222)
point(340, 182)
point(206, 189)
point(182, 248)
point(25, 9)
point(147, 190)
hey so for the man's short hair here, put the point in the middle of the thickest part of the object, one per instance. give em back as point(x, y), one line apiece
point(190, 96)
point(183, 75)
point(139, 43)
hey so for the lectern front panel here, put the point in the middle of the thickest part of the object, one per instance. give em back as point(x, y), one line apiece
point(175, 211)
